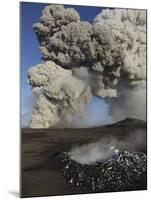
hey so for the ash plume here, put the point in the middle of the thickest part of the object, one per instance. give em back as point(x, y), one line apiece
point(106, 59)
point(61, 94)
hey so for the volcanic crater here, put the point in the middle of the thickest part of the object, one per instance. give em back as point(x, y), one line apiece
point(48, 169)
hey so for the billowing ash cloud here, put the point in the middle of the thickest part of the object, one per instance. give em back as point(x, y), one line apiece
point(128, 32)
point(106, 59)
point(60, 94)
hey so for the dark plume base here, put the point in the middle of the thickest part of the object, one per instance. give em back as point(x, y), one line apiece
point(128, 172)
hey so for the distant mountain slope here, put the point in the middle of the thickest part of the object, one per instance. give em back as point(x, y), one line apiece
point(130, 122)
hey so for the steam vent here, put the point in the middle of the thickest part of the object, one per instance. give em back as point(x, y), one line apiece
point(127, 172)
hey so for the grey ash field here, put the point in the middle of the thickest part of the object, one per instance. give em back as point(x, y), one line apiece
point(40, 170)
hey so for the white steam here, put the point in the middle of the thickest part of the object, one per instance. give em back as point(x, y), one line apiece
point(108, 148)
point(106, 59)
point(94, 152)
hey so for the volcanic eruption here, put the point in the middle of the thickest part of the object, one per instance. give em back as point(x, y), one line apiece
point(106, 59)
point(81, 63)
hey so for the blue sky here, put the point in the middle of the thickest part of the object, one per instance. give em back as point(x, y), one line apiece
point(30, 55)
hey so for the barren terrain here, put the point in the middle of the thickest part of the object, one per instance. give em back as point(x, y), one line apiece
point(39, 170)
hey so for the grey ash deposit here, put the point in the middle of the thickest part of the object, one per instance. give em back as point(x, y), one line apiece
point(126, 172)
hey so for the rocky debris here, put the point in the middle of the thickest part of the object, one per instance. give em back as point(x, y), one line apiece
point(127, 172)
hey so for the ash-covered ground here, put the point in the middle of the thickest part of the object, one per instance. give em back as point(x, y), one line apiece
point(42, 167)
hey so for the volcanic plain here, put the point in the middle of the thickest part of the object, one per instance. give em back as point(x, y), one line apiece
point(40, 174)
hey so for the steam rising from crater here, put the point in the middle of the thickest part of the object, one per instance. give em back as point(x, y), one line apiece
point(106, 59)
point(107, 148)
point(94, 152)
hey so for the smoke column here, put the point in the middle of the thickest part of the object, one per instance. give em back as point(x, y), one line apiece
point(82, 61)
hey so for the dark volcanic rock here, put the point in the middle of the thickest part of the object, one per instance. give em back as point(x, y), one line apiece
point(128, 172)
